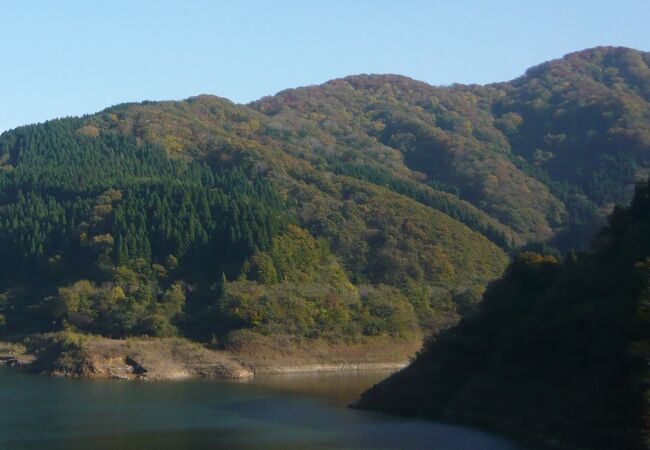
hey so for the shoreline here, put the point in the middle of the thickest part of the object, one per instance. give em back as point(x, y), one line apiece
point(166, 359)
point(324, 368)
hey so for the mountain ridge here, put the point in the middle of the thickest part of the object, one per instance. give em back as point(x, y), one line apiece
point(412, 194)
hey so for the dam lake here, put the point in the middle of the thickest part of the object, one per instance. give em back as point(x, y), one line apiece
point(289, 411)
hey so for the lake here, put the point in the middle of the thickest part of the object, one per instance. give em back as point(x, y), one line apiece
point(303, 411)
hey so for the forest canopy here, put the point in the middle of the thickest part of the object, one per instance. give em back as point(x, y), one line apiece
point(370, 205)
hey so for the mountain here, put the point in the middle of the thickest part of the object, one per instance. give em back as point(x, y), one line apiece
point(558, 352)
point(373, 205)
point(539, 154)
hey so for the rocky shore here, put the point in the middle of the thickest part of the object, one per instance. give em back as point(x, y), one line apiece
point(16, 360)
point(176, 358)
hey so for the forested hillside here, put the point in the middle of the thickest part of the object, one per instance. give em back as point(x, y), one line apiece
point(558, 350)
point(542, 154)
point(370, 205)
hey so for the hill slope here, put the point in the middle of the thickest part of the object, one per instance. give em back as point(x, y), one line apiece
point(540, 154)
point(557, 350)
point(370, 205)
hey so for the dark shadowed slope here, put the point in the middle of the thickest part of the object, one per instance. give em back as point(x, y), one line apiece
point(558, 351)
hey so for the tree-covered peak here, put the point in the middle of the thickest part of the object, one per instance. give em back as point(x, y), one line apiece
point(594, 60)
point(416, 190)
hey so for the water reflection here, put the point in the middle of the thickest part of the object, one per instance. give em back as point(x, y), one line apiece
point(273, 412)
point(336, 387)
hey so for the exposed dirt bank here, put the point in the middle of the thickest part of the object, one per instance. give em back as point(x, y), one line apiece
point(174, 358)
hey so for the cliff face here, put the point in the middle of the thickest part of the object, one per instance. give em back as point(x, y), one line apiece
point(558, 351)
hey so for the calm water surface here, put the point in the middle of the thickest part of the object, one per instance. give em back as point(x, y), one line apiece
point(274, 412)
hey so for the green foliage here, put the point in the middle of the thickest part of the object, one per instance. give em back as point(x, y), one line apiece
point(558, 348)
point(593, 132)
point(110, 226)
point(407, 190)
point(386, 311)
point(299, 288)
point(544, 155)
point(450, 205)
point(131, 304)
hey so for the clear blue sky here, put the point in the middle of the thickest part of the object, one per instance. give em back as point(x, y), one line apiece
point(73, 57)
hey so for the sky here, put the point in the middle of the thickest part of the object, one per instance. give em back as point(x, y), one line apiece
point(62, 58)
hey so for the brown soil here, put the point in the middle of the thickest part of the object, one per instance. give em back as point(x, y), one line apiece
point(175, 358)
